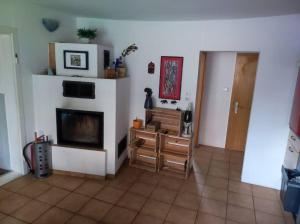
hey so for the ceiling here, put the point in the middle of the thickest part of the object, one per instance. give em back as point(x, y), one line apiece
point(174, 9)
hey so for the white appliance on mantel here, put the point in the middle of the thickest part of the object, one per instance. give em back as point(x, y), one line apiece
point(111, 98)
point(96, 55)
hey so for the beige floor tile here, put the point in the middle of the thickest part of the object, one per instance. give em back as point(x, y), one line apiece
point(10, 204)
point(221, 156)
point(132, 201)
point(288, 218)
point(240, 215)
point(219, 164)
point(170, 183)
point(109, 194)
point(90, 188)
point(179, 215)
point(215, 193)
point(264, 218)
point(18, 184)
point(268, 206)
point(146, 219)
point(77, 219)
point(200, 168)
point(263, 192)
point(149, 178)
point(188, 200)
point(239, 187)
point(53, 195)
point(11, 220)
point(213, 207)
point(34, 190)
point(192, 187)
point(95, 209)
point(142, 189)
point(218, 172)
point(4, 194)
point(130, 172)
point(231, 222)
point(54, 215)
point(217, 182)
point(156, 209)
point(118, 215)
point(204, 218)
point(236, 167)
point(31, 211)
point(73, 202)
point(241, 200)
point(163, 194)
point(66, 182)
point(2, 216)
point(235, 175)
point(199, 178)
point(120, 183)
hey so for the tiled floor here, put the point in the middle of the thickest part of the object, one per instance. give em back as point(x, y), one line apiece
point(213, 194)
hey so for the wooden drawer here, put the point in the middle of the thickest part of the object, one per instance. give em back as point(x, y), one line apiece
point(174, 144)
point(150, 139)
point(176, 163)
point(170, 120)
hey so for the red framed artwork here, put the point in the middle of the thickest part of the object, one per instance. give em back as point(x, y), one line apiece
point(170, 77)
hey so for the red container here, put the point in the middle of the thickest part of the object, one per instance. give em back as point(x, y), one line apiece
point(295, 115)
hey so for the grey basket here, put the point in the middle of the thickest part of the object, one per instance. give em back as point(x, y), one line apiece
point(43, 159)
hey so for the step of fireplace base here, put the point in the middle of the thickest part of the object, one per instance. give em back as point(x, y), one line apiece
point(78, 160)
point(81, 175)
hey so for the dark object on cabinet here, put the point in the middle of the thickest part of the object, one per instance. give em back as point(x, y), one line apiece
point(290, 190)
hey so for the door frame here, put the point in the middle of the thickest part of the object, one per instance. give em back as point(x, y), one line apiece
point(199, 95)
point(15, 151)
point(201, 88)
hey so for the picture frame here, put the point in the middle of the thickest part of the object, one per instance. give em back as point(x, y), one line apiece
point(78, 60)
point(170, 77)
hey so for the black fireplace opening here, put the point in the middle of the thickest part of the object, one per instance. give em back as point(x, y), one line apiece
point(79, 128)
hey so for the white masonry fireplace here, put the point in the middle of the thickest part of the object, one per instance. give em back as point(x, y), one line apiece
point(86, 132)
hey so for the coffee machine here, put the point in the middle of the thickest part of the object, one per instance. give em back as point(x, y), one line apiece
point(187, 121)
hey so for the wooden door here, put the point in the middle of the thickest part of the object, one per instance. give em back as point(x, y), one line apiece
point(241, 100)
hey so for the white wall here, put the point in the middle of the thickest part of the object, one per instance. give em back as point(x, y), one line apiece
point(4, 146)
point(22, 19)
point(277, 40)
point(32, 44)
point(122, 116)
point(219, 76)
point(9, 87)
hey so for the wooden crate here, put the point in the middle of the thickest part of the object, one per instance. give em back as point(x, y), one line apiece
point(143, 156)
point(170, 120)
point(175, 154)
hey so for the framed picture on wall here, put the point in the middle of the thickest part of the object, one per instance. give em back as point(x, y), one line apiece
point(76, 60)
point(170, 77)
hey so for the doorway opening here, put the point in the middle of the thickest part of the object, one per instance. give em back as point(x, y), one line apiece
point(4, 146)
point(11, 131)
point(224, 98)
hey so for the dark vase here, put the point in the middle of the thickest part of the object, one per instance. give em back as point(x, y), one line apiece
point(148, 102)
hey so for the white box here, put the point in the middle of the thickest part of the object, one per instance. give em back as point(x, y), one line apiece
point(94, 54)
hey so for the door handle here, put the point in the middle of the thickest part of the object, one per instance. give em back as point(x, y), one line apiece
point(236, 107)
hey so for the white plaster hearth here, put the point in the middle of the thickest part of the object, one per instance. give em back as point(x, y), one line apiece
point(111, 98)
